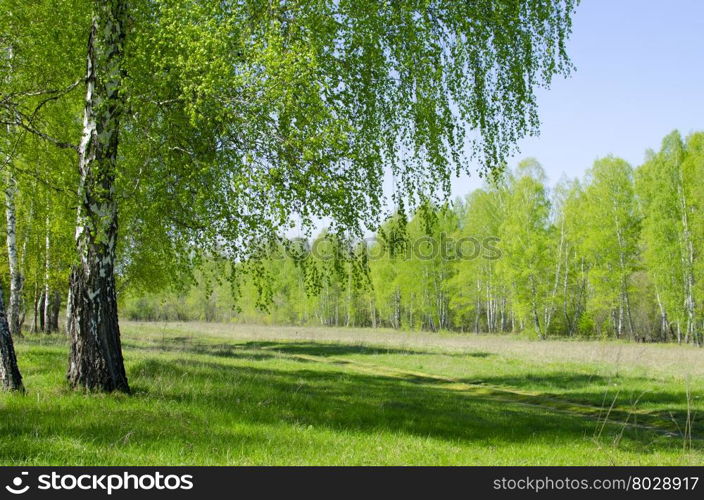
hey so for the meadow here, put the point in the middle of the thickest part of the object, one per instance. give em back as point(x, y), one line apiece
point(209, 393)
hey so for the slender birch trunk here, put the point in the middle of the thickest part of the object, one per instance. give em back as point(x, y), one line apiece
point(550, 307)
point(478, 308)
point(22, 257)
point(10, 376)
point(14, 323)
point(48, 300)
point(348, 320)
point(397, 309)
point(627, 309)
point(663, 317)
point(565, 294)
point(35, 305)
point(16, 279)
point(534, 310)
point(624, 302)
point(688, 261)
point(53, 315)
point(95, 360)
point(68, 321)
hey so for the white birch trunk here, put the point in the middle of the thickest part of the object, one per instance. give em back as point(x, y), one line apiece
point(10, 377)
point(95, 360)
point(16, 280)
point(47, 277)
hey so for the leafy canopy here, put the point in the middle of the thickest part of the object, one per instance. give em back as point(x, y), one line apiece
point(243, 118)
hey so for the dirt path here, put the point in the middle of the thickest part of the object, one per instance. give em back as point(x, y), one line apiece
point(606, 415)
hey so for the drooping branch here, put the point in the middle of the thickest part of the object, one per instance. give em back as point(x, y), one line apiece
point(26, 121)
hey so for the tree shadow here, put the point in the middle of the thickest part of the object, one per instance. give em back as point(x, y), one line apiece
point(201, 406)
point(261, 348)
point(347, 401)
point(673, 419)
point(234, 351)
point(586, 389)
point(332, 349)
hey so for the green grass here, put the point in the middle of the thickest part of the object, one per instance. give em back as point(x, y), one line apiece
point(261, 396)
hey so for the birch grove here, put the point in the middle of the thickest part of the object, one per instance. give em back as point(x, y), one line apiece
point(617, 254)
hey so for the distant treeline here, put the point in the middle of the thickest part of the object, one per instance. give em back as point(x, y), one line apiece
point(617, 254)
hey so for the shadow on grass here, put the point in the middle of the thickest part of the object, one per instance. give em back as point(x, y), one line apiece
point(195, 406)
point(568, 387)
point(347, 401)
point(327, 350)
point(186, 344)
point(234, 351)
point(596, 390)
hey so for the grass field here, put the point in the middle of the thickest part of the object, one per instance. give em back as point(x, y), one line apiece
point(253, 395)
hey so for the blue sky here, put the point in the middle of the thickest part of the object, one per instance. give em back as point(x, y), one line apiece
point(640, 75)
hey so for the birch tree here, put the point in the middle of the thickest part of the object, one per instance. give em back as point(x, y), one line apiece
point(9, 371)
point(528, 257)
point(611, 243)
point(671, 208)
point(238, 117)
point(574, 285)
point(16, 278)
point(480, 294)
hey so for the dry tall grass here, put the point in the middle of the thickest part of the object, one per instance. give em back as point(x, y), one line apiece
point(652, 359)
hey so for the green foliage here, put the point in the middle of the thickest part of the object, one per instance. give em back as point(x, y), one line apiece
point(603, 256)
point(240, 119)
